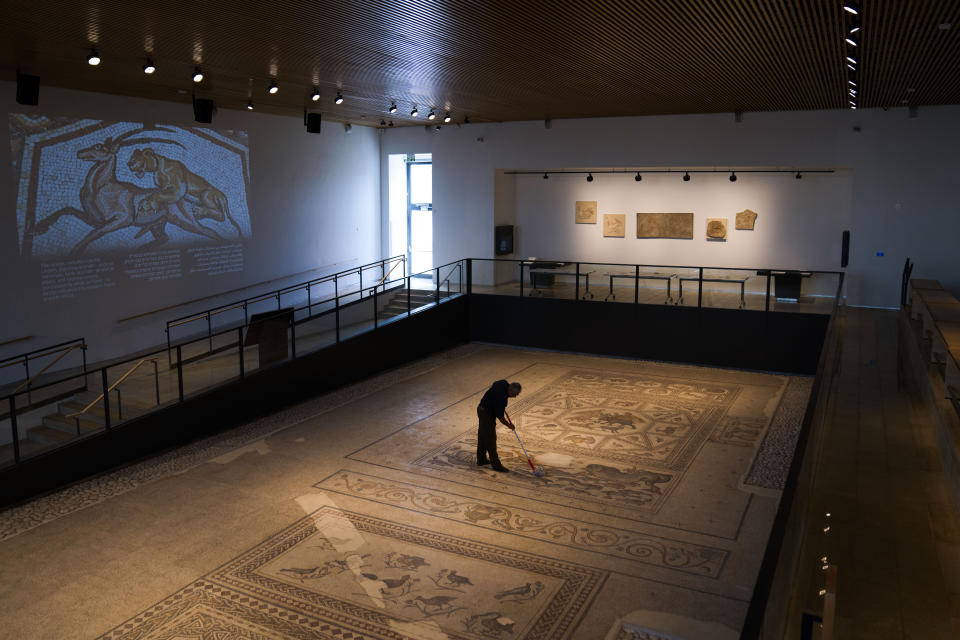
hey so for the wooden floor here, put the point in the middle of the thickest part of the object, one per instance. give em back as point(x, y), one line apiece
point(895, 530)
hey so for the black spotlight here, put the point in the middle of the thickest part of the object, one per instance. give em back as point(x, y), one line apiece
point(589, 177)
point(312, 120)
point(545, 176)
point(798, 176)
point(390, 124)
point(733, 176)
point(383, 123)
point(686, 176)
point(28, 89)
point(203, 110)
point(638, 177)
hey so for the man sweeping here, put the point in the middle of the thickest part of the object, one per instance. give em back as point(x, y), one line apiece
point(491, 409)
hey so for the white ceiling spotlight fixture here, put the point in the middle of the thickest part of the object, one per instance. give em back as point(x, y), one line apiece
point(197, 75)
point(316, 94)
point(273, 87)
point(338, 99)
point(94, 58)
point(149, 67)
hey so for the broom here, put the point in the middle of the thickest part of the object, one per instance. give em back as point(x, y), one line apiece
point(538, 469)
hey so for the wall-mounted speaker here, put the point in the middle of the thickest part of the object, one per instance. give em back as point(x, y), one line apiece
point(845, 249)
point(503, 240)
point(28, 89)
point(313, 123)
point(203, 110)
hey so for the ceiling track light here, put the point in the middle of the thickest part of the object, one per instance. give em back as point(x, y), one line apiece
point(850, 41)
point(589, 177)
point(393, 107)
point(686, 176)
point(852, 82)
point(273, 87)
point(316, 94)
point(390, 124)
point(249, 105)
point(733, 176)
point(851, 7)
point(415, 112)
point(545, 176)
point(431, 115)
point(447, 117)
point(466, 120)
point(149, 67)
point(853, 29)
point(798, 176)
point(197, 75)
point(338, 99)
point(383, 123)
point(638, 177)
point(94, 58)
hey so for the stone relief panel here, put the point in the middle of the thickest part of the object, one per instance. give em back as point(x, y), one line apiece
point(665, 225)
point(716, 228)
point(614, 225)
point(746, 219)
point(586, 212)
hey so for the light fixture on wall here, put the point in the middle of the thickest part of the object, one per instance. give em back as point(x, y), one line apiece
point(316, 94)
point(447, 118)
point(686, 176)
point(94, 58)
point(733, 176)
point(338, 99)
point(393, 107)
point(197, 75)
point(638, 177)
point(589, 177)
point(149, 67)
point(273, 87)
point(415, 112)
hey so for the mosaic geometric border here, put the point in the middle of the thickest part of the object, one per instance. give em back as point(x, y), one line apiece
point(239, 598)
point(617, 543)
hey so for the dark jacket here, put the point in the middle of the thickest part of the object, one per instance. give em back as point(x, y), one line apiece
point(494, 401)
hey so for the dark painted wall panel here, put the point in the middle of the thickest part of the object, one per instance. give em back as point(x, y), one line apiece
point(787, 342)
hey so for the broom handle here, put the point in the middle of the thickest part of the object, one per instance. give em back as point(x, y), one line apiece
point(529, 461)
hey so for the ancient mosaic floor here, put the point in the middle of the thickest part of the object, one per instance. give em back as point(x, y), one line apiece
point(365, 517)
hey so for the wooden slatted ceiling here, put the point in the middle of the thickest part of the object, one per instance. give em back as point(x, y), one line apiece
point(493, 60)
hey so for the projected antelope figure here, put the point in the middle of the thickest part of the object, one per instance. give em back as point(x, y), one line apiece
point(109, 204)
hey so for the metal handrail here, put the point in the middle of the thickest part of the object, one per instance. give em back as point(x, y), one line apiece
point(21, 357)
point(450, 273)
point(112, 387)
point(66, 350)
point(385, 276)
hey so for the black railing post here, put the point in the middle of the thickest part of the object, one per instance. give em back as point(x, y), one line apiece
point(106, 400)
point(767, 307)
point(169, 355)
point(700, 289)
point(245, 319)
point(83, 354)
point(180, 372)
point(26, 366)
point(336, 314)
point(408, 296)
point(278, 301)
point(521, 277)
point(210, 329)
point(156, 380)
point(636, 284)
point(293, 336)
point(438, 285)
point(119, 404)
point(309, 303)
point(375, 307)
point(576, 287)
point(13, 429)
point(239, 349)
point(360, 273)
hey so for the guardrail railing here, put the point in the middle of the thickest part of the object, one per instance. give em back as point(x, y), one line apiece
point(349, 282)
point(60, 350)
point(207, 361)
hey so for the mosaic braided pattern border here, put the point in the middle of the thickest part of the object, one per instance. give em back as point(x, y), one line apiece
point(341, 574)
point(24, 517)
point(624, 545)
point(772, 462)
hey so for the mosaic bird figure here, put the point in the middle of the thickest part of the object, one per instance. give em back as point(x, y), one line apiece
point(526, 592)
point(436, 603)
point(303, 574)
point(391, 584)
point(456, 580)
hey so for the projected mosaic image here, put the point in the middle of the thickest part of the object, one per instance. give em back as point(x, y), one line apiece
point(88, 187)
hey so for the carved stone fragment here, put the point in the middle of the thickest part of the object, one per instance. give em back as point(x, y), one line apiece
point(746, 219)
point(716, 228)
point(665, 225)
point(586, 212)
point(614, 225)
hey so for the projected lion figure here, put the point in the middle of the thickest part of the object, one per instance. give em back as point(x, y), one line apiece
point(174, 183)
point(109, 204)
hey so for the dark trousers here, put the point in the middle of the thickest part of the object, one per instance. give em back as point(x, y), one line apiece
point(487, 438)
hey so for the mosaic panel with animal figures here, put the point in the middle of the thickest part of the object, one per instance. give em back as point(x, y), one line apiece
point(341, 574)
point(628, 547)
point(623, 418)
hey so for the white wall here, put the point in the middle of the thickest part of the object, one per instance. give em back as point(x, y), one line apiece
point(895, 193)
point(313, 202)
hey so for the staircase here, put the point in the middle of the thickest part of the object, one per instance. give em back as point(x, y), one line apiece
point(57, 428)
point(398, 304)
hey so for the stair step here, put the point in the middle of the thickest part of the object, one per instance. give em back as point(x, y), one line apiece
point(48, 435)
point(69, 425)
